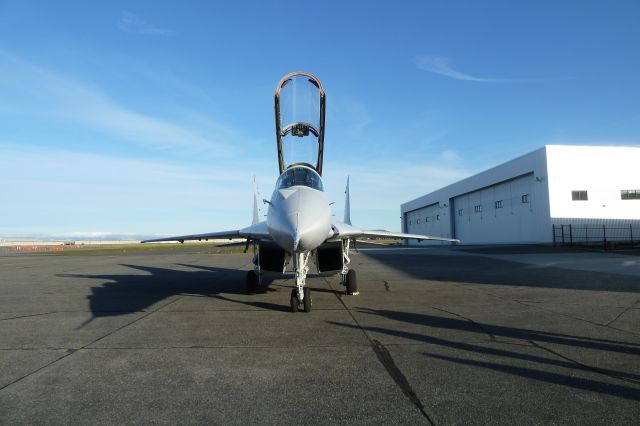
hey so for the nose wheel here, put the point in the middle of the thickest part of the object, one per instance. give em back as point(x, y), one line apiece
point(295, 302)
point(304, 304)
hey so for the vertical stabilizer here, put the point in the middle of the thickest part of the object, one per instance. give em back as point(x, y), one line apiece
point(347, 205)
point(256, 210)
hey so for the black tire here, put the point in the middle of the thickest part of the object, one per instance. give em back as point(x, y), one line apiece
point(307, 299)
point(352, 282)
point(252, 282)
point(294, 300)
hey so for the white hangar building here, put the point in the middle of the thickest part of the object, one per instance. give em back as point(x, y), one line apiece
point(535, 197)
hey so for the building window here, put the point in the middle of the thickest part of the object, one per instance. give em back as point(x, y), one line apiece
point(477, 208)
point(525, 199)
point(409, 222)
point(499, 204)
point(460, 212)
point(437, 217)
point(579, 195)
point(418, 221)
point(427, 219)
point(630, 194)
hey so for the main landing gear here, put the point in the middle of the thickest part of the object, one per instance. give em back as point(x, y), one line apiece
point(253, 282)
point(350, 281)
point(349, 278)
point(301, 296)
point(254, 277)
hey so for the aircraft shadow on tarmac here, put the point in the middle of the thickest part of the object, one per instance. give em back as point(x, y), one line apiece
point(422, 264)
point(530, 338)
point(128, 293)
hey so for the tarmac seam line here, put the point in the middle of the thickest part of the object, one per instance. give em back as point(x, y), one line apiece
point(29, 315)
point(35, 371)
point(72, 351)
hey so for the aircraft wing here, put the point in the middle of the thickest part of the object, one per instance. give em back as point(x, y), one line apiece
point(257, 231)
point(342, 231)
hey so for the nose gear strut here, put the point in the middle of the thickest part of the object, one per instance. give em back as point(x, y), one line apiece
point(301, 295)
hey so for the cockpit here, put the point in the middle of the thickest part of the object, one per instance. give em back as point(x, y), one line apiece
point(299, 175)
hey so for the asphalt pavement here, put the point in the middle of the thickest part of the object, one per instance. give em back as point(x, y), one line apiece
point(436, 336)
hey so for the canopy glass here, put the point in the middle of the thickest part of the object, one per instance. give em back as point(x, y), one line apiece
point(299, 107)
point(298, 176)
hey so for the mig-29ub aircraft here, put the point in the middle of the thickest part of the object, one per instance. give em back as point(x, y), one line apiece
point(299, 226)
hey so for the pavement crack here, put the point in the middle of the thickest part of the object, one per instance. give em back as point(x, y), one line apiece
point(584, 366)
point(385, 358)
point(386, 285)
point(633, 305)
point(530, 304)
point(475, 324)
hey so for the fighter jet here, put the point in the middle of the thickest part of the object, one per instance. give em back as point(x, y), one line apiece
point(300, 228)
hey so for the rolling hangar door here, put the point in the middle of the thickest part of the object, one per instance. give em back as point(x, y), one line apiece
point(500, 213)
point(429, 220)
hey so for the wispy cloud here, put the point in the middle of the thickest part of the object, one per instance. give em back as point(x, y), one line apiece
point(350, 117)
point(380, 179)
point(441, 65)
point(132, 23)
point(51, 191)
point(41, 92)
point(450, 156)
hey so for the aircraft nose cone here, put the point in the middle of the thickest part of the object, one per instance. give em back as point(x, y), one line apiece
point(296, 242)
point(302, 221)
point(310, 231)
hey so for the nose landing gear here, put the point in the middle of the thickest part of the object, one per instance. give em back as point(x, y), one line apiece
point(301, 295)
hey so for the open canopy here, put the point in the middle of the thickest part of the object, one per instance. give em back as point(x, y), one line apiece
point(299, 107)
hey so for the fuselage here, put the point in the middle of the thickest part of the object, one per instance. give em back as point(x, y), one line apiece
point(299, 216)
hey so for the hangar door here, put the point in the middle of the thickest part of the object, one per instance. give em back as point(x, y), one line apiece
point(500, 213)
point(429, 220)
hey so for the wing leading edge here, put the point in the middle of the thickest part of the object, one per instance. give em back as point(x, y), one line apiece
point(256, 231)
point(342, 231)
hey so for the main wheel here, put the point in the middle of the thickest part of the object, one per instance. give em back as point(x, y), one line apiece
point(252, 282)
point(307, 299)
point(294, 300)
point(352, 283)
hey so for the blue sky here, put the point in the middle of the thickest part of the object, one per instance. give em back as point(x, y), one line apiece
point(134, 117)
